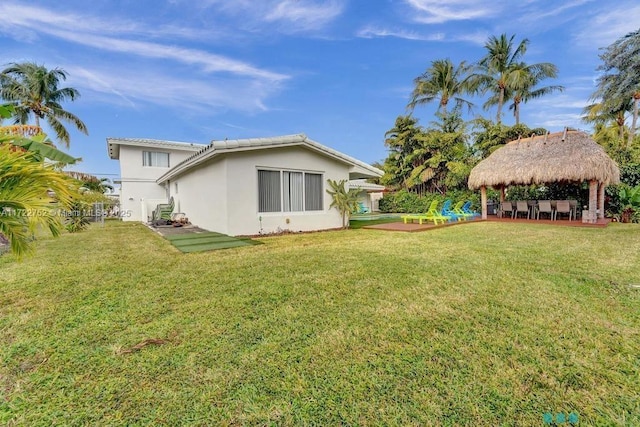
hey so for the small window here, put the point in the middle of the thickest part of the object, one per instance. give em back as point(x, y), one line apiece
point(155, 159)
point(176, 187)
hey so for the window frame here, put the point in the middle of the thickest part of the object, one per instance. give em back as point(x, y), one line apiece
point(151, 155)
point(305, 203)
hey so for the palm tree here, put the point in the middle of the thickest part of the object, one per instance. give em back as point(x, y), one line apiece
point(345, 201)
point(502, 72)
point(609, 119)
point(621, 81)
point(442, 82)
point(30, 190)
point(33, 89)
point(527, 89)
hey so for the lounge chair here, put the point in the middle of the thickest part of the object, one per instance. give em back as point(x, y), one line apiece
point(163, 211)
point(466, 208)
point(362, 208)
point(432, 214)
point(448, 213)
point(462, 215)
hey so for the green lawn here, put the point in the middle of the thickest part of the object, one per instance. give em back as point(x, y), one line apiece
point(486, 324)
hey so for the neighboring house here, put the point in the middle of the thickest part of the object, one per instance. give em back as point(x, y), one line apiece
point(369, 195)
point(237, 187)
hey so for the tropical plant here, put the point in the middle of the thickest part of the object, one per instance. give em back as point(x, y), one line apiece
point(30, 193)
point(34, 90)
point(401, 140)
point(502, 72)
point(345, 201)
point(490, 136)
point(76, 218)
point(90, 182)
point(629, 198)
point(442, 82)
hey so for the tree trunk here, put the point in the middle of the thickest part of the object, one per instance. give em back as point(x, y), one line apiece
point(500, 102)
point(632, 131)
point(516, 111)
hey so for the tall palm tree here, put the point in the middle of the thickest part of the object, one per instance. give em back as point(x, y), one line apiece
point(33, 89)
point(502, 72)
point(527, 89)
point(621, 80)
point(443, 82)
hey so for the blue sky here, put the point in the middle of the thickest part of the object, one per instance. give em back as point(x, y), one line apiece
point(340, 71)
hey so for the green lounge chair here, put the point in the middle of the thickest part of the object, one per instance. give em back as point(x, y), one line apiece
point(432, 214)
point(163, 211)
point(459, 211)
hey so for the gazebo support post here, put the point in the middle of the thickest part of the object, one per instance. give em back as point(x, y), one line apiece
point(483, 201)
point(593, 202)
point(601, 187)
point(502, 194)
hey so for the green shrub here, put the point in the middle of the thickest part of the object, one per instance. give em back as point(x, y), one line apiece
point(404, 201)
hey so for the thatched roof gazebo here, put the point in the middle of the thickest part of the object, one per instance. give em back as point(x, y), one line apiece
point(568, 157)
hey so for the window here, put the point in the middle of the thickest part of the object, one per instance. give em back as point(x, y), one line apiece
point(289, 191)
point(154, 158)
point(313, 192)
point(268, 191)
point(176, 187)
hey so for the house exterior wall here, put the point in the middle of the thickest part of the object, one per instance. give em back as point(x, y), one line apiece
point(223, 194)
point(138, 182)
point(202, 195)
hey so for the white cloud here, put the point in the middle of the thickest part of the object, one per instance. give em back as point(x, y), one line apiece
point(305, 15)
point(440, 11)
point(210, 62)
point(373, 32)
point(288, 16)
point(135, 87)
point(607, 25)
point(30, 20)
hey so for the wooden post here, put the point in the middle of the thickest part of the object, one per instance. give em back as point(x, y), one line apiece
point(483, 201)
point(601, 187)
point(502, 194)
point(593, 199)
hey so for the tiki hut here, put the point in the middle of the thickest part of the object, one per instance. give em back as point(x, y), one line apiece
point(565, 157)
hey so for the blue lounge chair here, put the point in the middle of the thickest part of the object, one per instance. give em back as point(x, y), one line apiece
point(448, 212)
point(466, 208)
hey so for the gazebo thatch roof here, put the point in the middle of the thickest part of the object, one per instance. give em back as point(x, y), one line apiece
point(570, 156)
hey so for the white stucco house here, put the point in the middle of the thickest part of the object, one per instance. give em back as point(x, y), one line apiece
point(236, 187)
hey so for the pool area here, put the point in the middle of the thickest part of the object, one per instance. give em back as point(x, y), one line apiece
point(375, 216)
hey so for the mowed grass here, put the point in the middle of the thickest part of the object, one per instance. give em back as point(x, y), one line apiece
point(483, 324)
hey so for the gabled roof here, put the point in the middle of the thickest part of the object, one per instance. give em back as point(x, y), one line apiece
point(113, 145)
point(216, 148)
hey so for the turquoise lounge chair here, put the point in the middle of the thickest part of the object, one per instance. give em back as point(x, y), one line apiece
point(448, 213)
point(466, 208)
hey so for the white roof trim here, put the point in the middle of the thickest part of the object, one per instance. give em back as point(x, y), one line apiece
point(113, 145)
point(228, 146)
point(364, 185)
